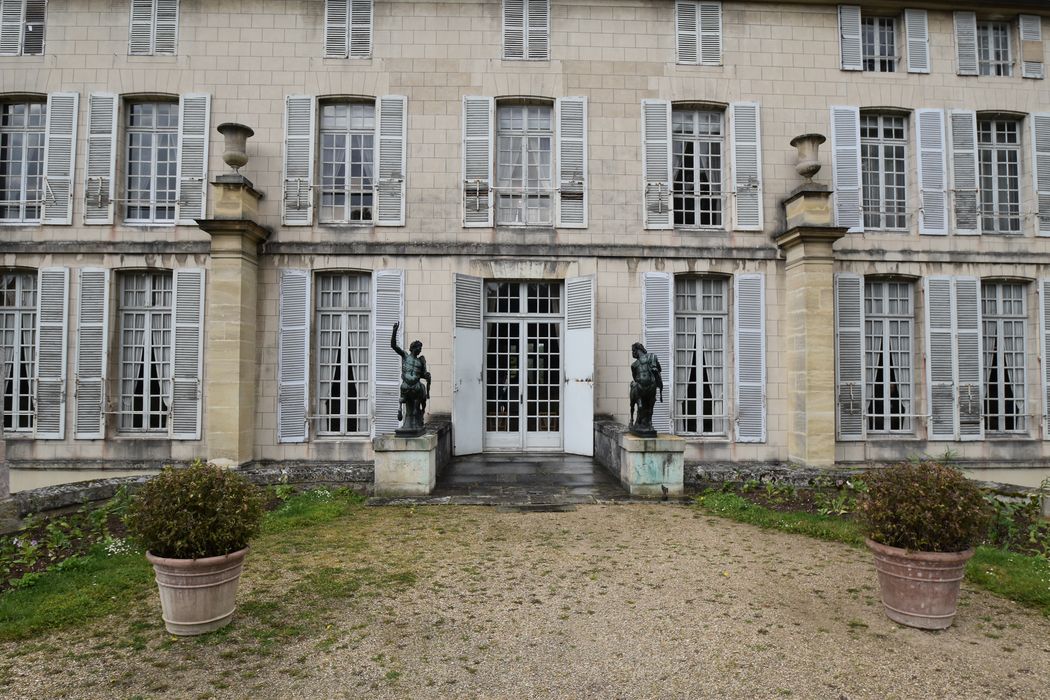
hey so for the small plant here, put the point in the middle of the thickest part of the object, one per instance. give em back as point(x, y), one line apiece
point(924, 506)
point(195, 512)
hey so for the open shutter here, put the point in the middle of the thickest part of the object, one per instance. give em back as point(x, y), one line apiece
point(60, 157)
point(747, 166)
point(478, 115)
point(101, 158)
point(968, 358)
point(940, 358)
point(656, 163)
point(1044, 347)
point(191, 201)
point(1031, 29)
point(188, 355)
point(336, 28)
point(711, 33)
point(750, 347)
point(514, 29)
point(966, 42)
point(849, 37)
point(917, 33)
point(293, 351)
point(299, 122)
point(360, 28)
point(10, 27)
point(657, 320)
point(167, 28)
point(50, 395)
point(687, 30)
point(92, 342)
point(933, 196)
point(579, 366)
point(846, 173)
point(849, 356)
point(572, 162)
point(467, 345)
point(390, 187)
point(389, 309)
point(140, 37)
point(35, 20)
point(537, 36)
point(964, 170)
point(1041, 171)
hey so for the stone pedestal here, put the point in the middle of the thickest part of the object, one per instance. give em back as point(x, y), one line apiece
point(649, 465)
point(405, 466)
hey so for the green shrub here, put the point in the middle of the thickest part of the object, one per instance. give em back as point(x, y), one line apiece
point(196, 512)
point(924, 506)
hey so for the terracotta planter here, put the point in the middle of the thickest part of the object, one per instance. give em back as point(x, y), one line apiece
point(919, 589)
point(197, 595)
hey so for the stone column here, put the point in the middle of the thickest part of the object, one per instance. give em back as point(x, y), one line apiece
point(810, 324)
point(231, 365)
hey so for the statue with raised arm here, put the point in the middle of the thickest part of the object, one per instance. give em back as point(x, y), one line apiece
point(414, 394)
point(647, 378)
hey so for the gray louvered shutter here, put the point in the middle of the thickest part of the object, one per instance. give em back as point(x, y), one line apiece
point(579, 366)
point(933, 195)
point(299, 126)
point(656, 164)
point(35, 27)
point(60, 157)
point(1044, 347)
point(514, 29)
point(389, 309)
point(92, 342)
point(687, 31)
point(747, 166)
point(711, 33)
point(964, 170)
point(51, 318)
point(750, 348)
point(849, 356)
point(917, 36)
point(194, 117)
point(478, 117)
point(468, 400)
point(187, 354)
point(846, 171)
point(293, 352)
point(140, 37)
point(538, 31)
point(360, 28)
point(572, 161)
point(1041, 169)
point(966, 42)
point(969, 384)
point(10, 27)
point(390, 187)
point(849, 37)
point(940, 358)
point(657, 330)
point(1031, 30)
point(101, 158)
point(166, 36)
point(336, 28)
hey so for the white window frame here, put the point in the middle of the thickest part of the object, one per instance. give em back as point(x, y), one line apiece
point(15, 45)
point(23, 403)
point(886, 319)
point(152, 203)
point(985, 64)
point(990, 196)
point(877, 58)
point(719, 289)
point(995, 319)
point(24, 201)
point(347, 191)
point(525, 192)
point(877, 209)
point(154, 318)
point(344, 312)
point(697, 140)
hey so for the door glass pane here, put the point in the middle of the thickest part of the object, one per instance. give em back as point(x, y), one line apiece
point(502, 377)
point(543, 378)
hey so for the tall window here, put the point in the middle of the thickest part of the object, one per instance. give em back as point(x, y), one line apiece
point(18, 345)
point(145, 351)
point(993, 49)
point(524, 170)
point(888, 313)
point(999, 144)
point(22, 27)
point(701, 308)
point(879, 44)
point(22, 160)
point(347, 161)
point(883, 143)
point(698, 138)
point(153, 145)
point(343, 342)
point(1003, 320)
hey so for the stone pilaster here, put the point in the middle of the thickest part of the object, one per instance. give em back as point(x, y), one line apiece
point(810, 325)
point(231, 313)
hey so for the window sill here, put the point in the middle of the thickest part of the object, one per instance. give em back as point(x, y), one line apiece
point(150, 224)
point(688, 230)
point(26, 436)
point(346, 225)
point(889, 437)
point(525, 228)
point(342, 438)
point(29, 225)
point(143, 437)
point(696, 437)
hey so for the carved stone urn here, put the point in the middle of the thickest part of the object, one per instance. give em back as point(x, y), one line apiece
point(808, 146)
point(235, 153)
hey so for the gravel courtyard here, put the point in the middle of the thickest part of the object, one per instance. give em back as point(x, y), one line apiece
point(607, 601)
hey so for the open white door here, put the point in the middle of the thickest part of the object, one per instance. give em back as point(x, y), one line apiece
point(467, 344)
point(579, 366)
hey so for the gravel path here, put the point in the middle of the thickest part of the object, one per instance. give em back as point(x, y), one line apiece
point(618, 601)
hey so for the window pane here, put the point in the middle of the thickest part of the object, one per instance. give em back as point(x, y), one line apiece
point(696, 168)
point(347, 162)
point(145, 351)
point(888, 313)
point(524, 165)
point(699, 352)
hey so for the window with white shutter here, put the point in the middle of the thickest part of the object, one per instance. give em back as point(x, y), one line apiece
point(393, 152)
point(151, 185)
point(348, 29)
point(657, 330)
point(964, 170)
point(747, 166)
point(571, 118)
point(879, 44)
point(888, 369)
point(917, 34)
point(293, 351)
point(188, 356)
point(99, 176)
point(478, 128)
point(52, 320)
point(343, 313)
point(849, 356)
point(999, 160)
point(749, 315)
point(389, 298)
point(22, 27)
point(144, 312)
point(966, 42)
point(467, 361)
point(526, 30)
point(89, 390)
point(701, 319)
point(968, 351)
point(18, 329)
point(884, 170)
point(1044, 347)
point(656, 164)
point(60, 157)
point(525, 164)
point(297, 206)
point(995, 49)
point(191, 199)
point(933, 195)
point(940, 358)
point(579, 365)
point(1041, 170)
point(1003, 320)
point(698, 32)
point(23, 139)
point(154, 27)
point(846, 167)
point(1031, 31)
point(698, 139)
point(850, 37)
point(955, 386)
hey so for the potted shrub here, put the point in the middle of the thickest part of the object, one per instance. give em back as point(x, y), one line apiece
point(195, 524)
point(922, 520)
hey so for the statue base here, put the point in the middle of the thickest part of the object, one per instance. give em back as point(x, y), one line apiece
point(652, 467)
point(641, 432)
point(409, 432)
point(405, 465)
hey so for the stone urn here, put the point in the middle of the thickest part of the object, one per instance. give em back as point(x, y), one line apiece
point(197, 595)
point(235, 151)
point(919, 589)
point(808, 146)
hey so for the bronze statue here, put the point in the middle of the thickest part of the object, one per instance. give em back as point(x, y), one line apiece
point(647, 378)
point(414, 395)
